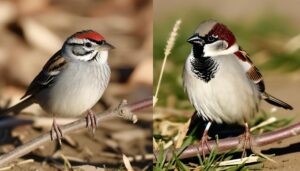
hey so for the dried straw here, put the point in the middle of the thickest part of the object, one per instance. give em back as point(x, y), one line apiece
point(170, 44)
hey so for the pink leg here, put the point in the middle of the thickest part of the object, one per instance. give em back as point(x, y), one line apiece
point(56, 132)
point(204, 139)
point(91, 121)
point(247, 140)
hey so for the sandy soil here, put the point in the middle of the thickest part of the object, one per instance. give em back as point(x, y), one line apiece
point(287, 152)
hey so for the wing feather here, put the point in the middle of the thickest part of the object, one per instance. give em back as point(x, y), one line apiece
point(251, 71)
point(48, 74)
point(254, 75)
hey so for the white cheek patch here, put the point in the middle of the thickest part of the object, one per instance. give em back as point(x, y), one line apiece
point(103, 55)
point(99, 56)
point(85, 57)
point(219, 48)
point(220, 45)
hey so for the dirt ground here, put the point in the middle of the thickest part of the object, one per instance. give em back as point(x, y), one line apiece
point(287, 152)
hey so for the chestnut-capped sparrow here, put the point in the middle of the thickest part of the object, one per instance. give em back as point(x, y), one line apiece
point(72, 81)
point(221, 81)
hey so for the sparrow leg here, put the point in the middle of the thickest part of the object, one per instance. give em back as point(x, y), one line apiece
point(91, 121)
point(204, 139)
point(247, 140)
point(56, 132)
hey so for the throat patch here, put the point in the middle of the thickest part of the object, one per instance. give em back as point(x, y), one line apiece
point(94, 57)
point(204, 68)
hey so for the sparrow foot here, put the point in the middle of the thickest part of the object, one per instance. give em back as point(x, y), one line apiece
point(204, 142)
point(91, 121)
point(204, 139)
point(246, 140)
point(56, 132)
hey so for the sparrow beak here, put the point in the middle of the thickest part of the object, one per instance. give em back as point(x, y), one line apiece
point(103, 45)
point(196, 39)
point(109, 46)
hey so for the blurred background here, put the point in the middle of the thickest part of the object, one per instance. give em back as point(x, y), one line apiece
point(32, 31)
point(267, 30)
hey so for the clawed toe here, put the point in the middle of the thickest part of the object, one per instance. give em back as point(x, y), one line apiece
point(91, 121)
point(56, 132)
point(204, 139)
point(204, 142)
point(246, 141)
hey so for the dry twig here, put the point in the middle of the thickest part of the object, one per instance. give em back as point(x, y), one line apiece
point(123, 111)
point(234, 142)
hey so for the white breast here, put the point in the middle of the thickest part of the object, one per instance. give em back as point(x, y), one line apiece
point(76, 90)
point(228, 97)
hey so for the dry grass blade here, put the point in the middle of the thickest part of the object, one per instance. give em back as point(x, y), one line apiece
point(87, 168)
point(17, 164)
point(66, 161)
point(141, 157)
point(182, 133)
point(170, 44)
point(264, 123)
point(250, 159)
point(127, 163)
point(155, 145)
point(268, 158)
point(171, 142)
point(293, 44)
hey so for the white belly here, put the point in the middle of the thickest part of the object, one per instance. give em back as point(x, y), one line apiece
point(76, 90)
point(229, 97)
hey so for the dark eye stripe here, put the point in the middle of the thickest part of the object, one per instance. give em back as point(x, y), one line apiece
point(75, 44)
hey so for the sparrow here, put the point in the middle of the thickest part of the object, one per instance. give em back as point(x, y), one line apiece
point(72, 81)
point(221, 81)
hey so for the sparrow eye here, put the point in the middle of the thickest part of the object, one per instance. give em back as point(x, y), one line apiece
point(211, 38)
point(88, 44)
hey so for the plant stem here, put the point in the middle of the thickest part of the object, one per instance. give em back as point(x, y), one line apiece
point(123, 110)
point(235, 142)
point(169, 46)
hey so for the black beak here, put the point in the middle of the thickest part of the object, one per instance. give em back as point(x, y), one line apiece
point(109, 46)
point(104, 45)
point(196, 39)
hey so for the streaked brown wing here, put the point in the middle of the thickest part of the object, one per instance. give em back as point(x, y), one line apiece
point(253, 74)
point(47, 76)
point(251, 71)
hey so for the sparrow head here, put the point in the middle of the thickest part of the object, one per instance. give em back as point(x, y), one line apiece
point(86, 45)
point(213, 39)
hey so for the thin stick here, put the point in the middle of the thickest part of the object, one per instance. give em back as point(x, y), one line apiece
point(231, 143)
point(170, 44)
point(122, 110)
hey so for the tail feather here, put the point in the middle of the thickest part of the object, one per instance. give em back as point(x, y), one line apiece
point(274, 101)
point(18, 107)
